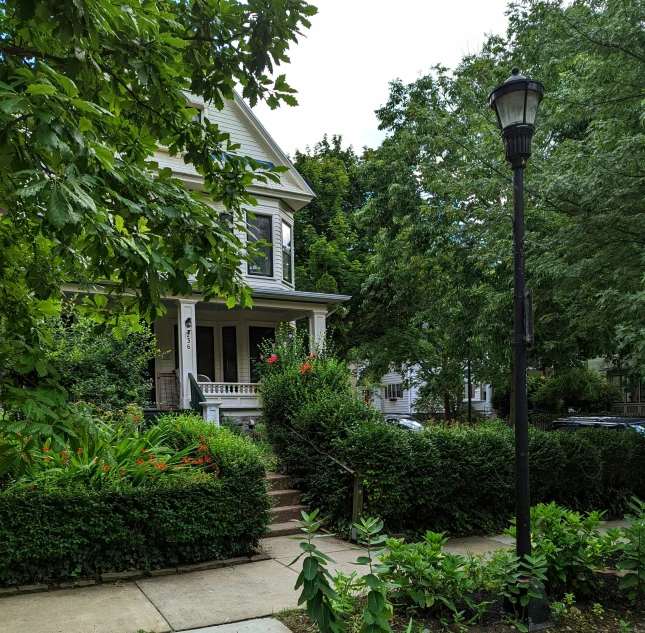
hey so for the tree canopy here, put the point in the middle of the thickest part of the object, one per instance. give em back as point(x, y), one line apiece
point(88, 91)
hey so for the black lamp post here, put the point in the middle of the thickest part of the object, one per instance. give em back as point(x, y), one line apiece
point(516, 103)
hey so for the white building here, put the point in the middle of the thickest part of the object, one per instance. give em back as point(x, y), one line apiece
point(392, 398)
point(219, 346)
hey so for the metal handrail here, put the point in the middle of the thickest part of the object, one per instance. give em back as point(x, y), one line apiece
point(196, 394)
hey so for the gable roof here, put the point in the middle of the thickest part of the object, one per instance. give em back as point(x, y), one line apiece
point(244, 128)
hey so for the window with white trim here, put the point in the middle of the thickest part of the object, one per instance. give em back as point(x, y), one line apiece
point(394, 391)
point(260, 228)
point(287, 253)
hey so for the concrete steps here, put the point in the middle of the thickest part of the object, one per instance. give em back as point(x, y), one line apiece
point(286, 506)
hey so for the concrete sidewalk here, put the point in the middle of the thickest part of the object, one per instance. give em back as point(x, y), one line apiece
point(191, 601)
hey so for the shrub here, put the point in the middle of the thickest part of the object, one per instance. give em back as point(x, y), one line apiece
point(571, 545)
point(579, 389)
point(632, 558)
point(108, 369)
point(54, 534)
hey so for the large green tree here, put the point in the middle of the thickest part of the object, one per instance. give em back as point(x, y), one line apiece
point(88, 91)
point(440, 199)
point(331, 246)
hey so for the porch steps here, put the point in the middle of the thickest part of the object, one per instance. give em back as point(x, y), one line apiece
point(285, 506)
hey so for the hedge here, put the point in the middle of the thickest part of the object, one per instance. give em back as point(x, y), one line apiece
point(53, 535)
point(461, 479)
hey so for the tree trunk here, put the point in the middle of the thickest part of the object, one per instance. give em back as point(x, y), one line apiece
point(511, 417)
point(446, 406)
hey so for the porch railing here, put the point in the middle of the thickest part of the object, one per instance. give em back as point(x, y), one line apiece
point(196, 395)
point(229, 388)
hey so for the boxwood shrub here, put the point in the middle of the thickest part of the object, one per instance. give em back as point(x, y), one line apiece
point(456, 479)
point(51, 535)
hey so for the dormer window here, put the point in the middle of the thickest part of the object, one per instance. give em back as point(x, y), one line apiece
point(260, 229)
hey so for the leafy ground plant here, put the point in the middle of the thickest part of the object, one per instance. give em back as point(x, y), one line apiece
point(632, 559)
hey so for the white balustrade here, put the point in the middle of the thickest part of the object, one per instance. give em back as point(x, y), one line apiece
point(234, 389)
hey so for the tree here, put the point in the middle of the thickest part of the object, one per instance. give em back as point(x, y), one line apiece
point(88, 91)
point(331, 245)
point(439, 182)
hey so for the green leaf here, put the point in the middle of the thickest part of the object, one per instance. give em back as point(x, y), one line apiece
point(310, 568)
point(41, 89)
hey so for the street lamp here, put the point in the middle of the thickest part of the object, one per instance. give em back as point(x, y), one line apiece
point(516, 103)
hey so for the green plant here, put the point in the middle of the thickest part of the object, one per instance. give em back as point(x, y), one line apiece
point(378, 610)
point(56, 533)
point(571, 545)
point(518, 580)
point(624, 627)
point(632, 558)
point(430, 578)
point(315, 578)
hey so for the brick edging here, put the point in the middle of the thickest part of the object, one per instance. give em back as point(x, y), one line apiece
point(132, 574)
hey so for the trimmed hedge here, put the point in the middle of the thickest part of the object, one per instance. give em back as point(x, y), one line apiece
point(61, 534)
point(462, 480)
point(455, 479)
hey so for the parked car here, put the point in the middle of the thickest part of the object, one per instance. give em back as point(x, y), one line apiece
point(405, 423)
point(574, 423)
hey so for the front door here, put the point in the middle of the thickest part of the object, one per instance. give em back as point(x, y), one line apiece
point(257, 338)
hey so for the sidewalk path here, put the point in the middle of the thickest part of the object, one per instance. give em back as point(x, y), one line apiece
point(191, 601)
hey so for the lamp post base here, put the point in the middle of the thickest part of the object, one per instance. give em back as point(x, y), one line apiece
point(537, 614)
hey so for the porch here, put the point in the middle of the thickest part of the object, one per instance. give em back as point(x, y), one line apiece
point(219, 347)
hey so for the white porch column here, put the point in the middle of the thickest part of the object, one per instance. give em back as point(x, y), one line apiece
point(317, 328)
point(187, 348)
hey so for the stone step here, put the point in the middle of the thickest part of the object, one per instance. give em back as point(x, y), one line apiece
point(286, 497)
point(278, 481)
point(283, 529)
point(286, 513)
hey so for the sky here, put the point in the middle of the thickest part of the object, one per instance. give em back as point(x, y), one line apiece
point(354, 48)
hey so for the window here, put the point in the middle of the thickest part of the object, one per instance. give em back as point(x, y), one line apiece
point(260, 229)
point(287, 253)
point(197, 117)
point(229, 353)
point(394, 391)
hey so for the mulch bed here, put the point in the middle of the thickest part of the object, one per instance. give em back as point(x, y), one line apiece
point(598, 613)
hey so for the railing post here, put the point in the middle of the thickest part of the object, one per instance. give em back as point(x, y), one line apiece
point(357, 504)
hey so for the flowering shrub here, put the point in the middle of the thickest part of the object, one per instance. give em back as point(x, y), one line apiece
point(115, 450)
point(215, 509)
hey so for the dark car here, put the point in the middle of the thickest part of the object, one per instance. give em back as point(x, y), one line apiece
point(599, 422)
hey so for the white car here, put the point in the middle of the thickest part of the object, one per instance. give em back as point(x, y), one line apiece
point(406, 423)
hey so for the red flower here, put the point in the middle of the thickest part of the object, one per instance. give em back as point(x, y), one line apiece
point(46, 459)
point(272, 359)
point(46, 449)
point(202, 449)
point(136, 417)
point(105, 467)
point(306, 368)
point(312, 355)
point(79, 451)
point(187, 460)
point(140, 461)
point(32, 486)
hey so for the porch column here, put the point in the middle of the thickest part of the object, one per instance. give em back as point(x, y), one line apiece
point(187, 348)
point(317, 328)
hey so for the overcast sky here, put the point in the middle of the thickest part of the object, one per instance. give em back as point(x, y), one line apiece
point(355, 47)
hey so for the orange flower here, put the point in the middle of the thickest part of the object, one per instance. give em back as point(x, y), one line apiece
point(306, 368)
point(46, 449)
point(79, 451)
point(140, 461)
point(187, 460)
point(105, 467)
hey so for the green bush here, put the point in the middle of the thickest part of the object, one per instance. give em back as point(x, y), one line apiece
point(55, 534)
point(580, 389)
point(446, 478)
point(572, 546)
point(108, 369)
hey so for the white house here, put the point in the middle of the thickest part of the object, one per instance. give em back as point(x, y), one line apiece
point(392, 398)
point(218, 345)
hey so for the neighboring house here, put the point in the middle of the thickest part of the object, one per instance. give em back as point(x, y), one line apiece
point(393, 399)
point(633, 400)
point(217, 345)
